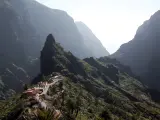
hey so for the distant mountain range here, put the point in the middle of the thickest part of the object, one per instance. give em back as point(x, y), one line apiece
point(24, 27)
point(142, 53)
point(44, 20)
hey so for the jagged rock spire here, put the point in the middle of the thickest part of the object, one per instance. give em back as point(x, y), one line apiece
point(47, 54)
point(50, 40)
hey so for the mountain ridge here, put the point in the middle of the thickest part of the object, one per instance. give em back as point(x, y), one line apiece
point(141, 53)
point(81, 89)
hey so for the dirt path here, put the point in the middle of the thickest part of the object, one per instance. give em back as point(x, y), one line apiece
point(45, 90)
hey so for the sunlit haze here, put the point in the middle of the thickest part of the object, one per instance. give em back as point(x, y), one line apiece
point(114, 22)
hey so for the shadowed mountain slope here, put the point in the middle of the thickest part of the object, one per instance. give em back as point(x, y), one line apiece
point(142, 53)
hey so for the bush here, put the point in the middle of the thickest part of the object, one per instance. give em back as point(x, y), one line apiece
point(44, 115)
point(25, 87)
point(106, 115)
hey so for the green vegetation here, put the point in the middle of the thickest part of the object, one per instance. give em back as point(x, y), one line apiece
point(113, 106)
point(88, 68)
point(44, 115)
point(78, 103)
point(25, 87)
point(7, 106)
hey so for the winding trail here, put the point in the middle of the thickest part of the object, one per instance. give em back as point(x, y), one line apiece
point(45, 90)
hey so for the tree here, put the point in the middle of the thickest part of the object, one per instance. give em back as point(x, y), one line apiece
point(106, 115)
point(44, 115)
point(61, 85)
point(96, 103)
point(74, 106)
point(43, 78)
point(78, 104)
point(25, 87)
point(71, 105)
point(136, 116)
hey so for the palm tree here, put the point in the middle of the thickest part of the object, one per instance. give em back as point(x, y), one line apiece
point(45, 115)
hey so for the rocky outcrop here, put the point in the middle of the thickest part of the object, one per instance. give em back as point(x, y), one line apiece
point(109, 70)
point(47, 54)
point(15, 77)
point(5, 92)
point(55, 59)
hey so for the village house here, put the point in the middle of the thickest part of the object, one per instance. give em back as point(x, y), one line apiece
point(32, 92)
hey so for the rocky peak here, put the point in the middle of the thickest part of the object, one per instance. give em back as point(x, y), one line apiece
point(50, 40)
point(55, 59)
point(46, 55)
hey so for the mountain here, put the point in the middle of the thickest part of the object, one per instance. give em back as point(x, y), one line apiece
point(24, 26)
point(45, 20)
point(5, 92)
point(13, 47)
point(142, 53)
point(91, 41)
point(70, 88)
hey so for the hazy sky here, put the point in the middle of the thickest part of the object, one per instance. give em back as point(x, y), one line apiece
point(114, 22)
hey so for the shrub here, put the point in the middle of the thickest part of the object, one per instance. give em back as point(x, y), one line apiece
point(106, 115)
point(45, 115)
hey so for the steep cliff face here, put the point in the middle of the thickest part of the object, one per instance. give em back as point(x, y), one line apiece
point(13, 53)
point(142, 53)
point(55, 59)
point(5, 92)
point(45, 20)
point(91, 41)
